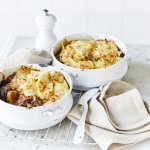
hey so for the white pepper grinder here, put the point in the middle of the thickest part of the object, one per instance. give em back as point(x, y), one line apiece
point(45, 23)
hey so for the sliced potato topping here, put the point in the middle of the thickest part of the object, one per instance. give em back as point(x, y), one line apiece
point(89, 54)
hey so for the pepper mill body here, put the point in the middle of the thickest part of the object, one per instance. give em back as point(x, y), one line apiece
point(45, 38)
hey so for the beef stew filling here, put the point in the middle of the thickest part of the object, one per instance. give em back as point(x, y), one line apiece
point(9, 93)
point(29, 87)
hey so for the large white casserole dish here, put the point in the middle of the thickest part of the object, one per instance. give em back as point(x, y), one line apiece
point(84, 79)
point(37, 117)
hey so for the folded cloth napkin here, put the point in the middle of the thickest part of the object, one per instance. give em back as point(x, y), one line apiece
point(117, 118)
point(26, 56)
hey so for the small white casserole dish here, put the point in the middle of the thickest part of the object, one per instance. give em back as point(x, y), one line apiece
point(37, 117)
point(84, 79)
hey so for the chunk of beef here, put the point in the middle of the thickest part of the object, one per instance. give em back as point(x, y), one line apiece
point(8, 79)
point(12, 97)
point(29, 102)
point(3, 92)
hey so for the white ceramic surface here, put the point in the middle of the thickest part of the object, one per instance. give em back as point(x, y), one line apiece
point(84, 79)
point(37, 117)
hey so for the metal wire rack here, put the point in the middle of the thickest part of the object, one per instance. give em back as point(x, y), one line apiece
point(60, 133)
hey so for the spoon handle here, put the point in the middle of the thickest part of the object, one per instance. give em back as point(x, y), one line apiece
point(79, 134)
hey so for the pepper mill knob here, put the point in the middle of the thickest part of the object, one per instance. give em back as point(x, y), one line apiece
point(45, 23)
point(46, 12)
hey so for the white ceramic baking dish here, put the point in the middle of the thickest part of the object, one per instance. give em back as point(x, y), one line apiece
point(37, 117)
point(84, 79)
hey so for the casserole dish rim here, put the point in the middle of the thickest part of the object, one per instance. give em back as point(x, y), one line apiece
point(89, 34)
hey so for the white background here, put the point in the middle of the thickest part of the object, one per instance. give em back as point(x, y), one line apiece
point(128, 20)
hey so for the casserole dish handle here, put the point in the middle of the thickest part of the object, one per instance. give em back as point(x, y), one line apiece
point(52, 112)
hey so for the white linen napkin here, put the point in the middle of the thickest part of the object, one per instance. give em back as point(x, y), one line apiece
point(26, 56)
point(117, 118)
